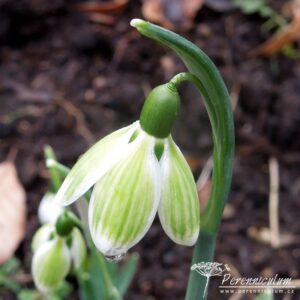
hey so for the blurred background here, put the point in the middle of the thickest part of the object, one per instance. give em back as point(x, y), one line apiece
point(71, 72)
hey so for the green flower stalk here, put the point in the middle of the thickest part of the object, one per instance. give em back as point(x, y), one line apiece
point(205, 76)
point(137, 171)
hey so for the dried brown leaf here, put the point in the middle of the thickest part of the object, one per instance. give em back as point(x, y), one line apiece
point(194, 162)
point(284, 37)
point(152, 10)
point(103, 7)
point(12, 211)
point(170, 13)
point(264, 235)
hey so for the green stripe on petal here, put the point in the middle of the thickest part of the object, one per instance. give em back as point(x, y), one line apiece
point(94, 164)
point(50, 265)
point(179, 210)
point(125, 201)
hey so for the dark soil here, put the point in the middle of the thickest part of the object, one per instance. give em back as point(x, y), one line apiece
point(67, 82)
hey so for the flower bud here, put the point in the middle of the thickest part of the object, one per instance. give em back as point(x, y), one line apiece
point(50, 265)
point(42, 235)
point(78, 248)
point(49, 210)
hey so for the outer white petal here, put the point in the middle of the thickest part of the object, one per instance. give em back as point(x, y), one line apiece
point(49, 210)
point(178, 210)
point(94, 164)
point(50, 265)
point(125, 201)
point(41, 236)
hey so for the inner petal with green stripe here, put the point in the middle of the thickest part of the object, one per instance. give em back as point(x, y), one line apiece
point(179, 210)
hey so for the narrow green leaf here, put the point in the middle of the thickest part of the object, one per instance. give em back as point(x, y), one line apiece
point(91, 281)
point(126, 274)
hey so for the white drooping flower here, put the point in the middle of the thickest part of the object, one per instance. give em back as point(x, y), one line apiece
point(137, 171)
point(42, 235)
point(49, 210)
point(130, 186)
point(50, 265)
point(54, 255)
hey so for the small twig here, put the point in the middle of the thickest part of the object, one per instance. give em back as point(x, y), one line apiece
point(235, 273)
point(205, 174)
point(82, 128)
point(26, 94)
point(273, 202)
point(296, 283)
point(22, 278)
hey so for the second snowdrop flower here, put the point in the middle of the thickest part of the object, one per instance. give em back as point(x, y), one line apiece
point(137, 171)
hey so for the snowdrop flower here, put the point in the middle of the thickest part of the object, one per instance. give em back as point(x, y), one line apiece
point(42, 235)
point(49, 210)
point(137, 171)
point(53, 256)
point(50, 265)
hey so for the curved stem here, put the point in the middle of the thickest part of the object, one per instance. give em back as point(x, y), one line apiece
point(181, 77)
point(207, 79)
point(216, 99)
